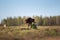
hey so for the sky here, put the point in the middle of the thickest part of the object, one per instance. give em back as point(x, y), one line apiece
point(11, 8)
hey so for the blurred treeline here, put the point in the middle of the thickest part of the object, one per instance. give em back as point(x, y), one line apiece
point(40, 21)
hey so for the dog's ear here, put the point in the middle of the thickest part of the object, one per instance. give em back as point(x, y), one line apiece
point(33, 20)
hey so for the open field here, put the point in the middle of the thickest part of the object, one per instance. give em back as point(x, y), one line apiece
point(23, 33)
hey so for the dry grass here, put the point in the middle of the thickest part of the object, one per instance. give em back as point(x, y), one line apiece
point(23, 33)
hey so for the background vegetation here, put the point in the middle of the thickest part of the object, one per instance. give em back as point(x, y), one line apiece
point(40, 21)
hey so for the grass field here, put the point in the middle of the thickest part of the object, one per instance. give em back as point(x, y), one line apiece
point(23, 33)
